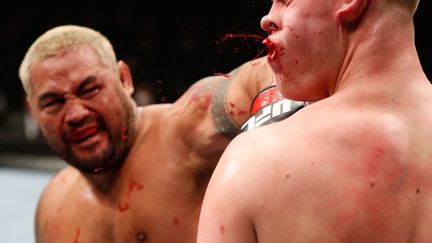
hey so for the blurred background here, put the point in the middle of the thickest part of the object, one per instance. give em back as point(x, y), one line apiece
point(168, 45)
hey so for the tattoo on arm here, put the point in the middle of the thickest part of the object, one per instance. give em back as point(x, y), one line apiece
point(221, 116)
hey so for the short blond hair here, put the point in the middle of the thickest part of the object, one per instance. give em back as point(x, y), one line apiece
point(54, 41)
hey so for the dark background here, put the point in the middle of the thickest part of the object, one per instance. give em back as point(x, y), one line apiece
point(168, 44)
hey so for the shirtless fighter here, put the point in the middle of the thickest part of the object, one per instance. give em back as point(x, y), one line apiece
point(356, 164)
point(136, 174)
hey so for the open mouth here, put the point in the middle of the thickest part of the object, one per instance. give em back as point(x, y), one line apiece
point(271, 49)
point(80, 135)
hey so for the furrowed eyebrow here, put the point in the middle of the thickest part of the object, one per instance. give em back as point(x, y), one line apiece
point(46, 96)
point(88, 80)
point(52, 95)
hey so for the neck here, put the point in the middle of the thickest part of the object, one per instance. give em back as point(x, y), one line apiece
point(104, 182)
point(381, 49)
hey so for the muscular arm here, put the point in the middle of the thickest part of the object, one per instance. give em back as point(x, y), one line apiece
point(213, 109)
point(233, 97)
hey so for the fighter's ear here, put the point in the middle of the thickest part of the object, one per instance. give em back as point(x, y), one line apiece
point(126, 77)
point(351, 10)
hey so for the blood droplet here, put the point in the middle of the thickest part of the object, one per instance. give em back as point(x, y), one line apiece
point(222, 229)
point(222, 74)
point(77, 233)
point(122, 206)
point(176, 221)
point(123, 134)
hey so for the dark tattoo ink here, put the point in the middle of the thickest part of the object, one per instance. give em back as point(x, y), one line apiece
point(221, 114)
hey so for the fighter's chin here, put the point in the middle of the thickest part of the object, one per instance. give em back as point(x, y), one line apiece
point(285, 86)
point(275, 65)
point(94, 164)
point(90, 156)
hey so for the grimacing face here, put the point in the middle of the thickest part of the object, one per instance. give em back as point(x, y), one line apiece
point(83, 108)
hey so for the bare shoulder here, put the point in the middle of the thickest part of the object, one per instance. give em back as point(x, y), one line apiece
point(59, 184)
point(248, 159)
point(152, 114)
point(55, 193)
point(279, 175)
point(315, 135)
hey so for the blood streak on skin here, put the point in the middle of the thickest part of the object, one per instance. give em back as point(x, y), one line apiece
point(206, 96)
point(271, 49)
point(132, 185)
point(222, 74)
point(208, 99)
point(176, 221)
point(242, 113)
point(77, 233)
point(122, 206)
point(123, 134)
point(102, 169)
point(222, 229)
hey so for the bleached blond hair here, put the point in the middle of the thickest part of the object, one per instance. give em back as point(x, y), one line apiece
point(54, 41)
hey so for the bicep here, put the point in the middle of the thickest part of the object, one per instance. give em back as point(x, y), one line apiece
point(219, 105)
point(236, 97)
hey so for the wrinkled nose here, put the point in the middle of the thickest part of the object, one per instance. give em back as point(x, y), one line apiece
point(76, 114)
point(268, 24)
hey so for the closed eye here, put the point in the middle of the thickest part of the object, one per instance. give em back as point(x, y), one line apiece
point(53, 103)
point(89, 92)
point(89, 87)
point(50, 100)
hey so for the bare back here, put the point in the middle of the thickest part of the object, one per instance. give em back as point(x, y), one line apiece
point(355, 165)
point(358, 173)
